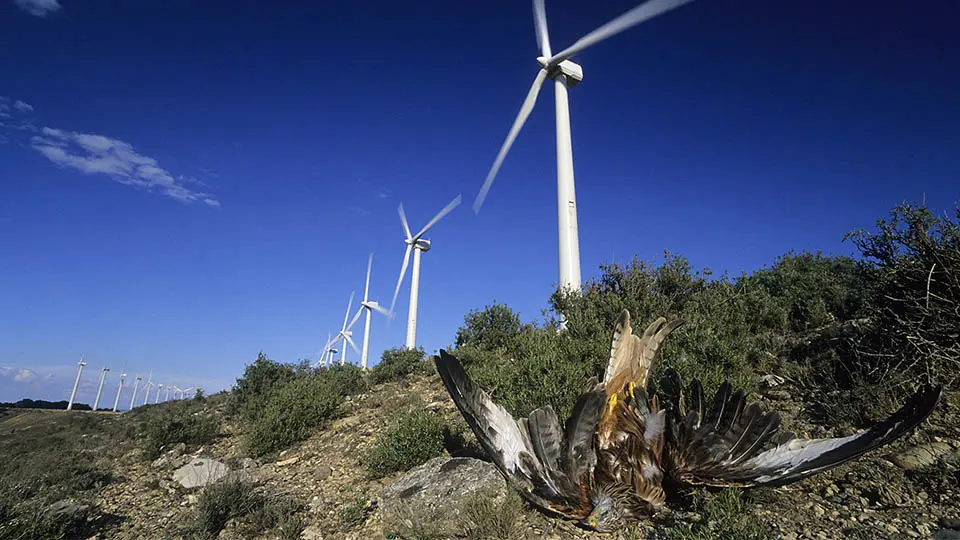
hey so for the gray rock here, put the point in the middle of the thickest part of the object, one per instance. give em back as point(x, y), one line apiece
point(920, 456)
point(66, 510)
point(200, 472)
point(430, 498)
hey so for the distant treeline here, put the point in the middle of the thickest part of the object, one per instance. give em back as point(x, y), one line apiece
point(43, 404)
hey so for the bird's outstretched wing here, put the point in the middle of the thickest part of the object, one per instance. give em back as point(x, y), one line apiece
point(547, 465)
point(730, 445)
point(631, 356)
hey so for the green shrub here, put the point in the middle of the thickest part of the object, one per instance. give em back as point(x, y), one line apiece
point(354, 512)
point(290, 413)
point(396, 364)
point(489, 516)
point(179, 425)
point(736, 328)
point(347, 379)
point(413, 439)
point(235, 498)
point(912, 332)
point(223, 500)
point(258, 379)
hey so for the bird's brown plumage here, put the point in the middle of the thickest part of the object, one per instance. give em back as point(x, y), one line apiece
point(607, 467)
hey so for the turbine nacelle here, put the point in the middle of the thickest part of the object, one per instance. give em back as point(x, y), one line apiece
point(571, 70)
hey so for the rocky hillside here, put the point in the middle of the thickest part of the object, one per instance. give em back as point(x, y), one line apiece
point(321, 488)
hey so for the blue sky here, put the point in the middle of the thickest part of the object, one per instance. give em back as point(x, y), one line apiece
point(186, 183)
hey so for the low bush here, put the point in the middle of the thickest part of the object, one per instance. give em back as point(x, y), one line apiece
point(178, 425)
point(412, 439)
point(398, 363)
point(290, 413)
point(235, 498)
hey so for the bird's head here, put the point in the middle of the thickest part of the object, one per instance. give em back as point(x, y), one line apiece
point(607, 514)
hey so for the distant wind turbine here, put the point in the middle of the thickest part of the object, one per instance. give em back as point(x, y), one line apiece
point(565, 74)
point(103, 377)
point(324, 357)
point(147, 387)
point(76, 383)
point(136, 384)
point(156, 398)
point(116, 402)
point(345, 333)
point(417, 244)
point(369, 307)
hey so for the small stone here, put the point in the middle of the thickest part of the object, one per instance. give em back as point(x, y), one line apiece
point(818, 510)
point(286, 462)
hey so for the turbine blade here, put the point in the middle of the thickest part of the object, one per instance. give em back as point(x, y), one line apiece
point(540, 22)
point(366, 287)
point(347, 314)
point(446, 210)
point(403, 220)
point(403, 271)
point(525, 111)
point(635, 16)
point(379, 309)
point(353, 321)
point(352, 344)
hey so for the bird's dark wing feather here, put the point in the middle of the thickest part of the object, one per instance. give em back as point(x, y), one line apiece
point(730, 446)
point(532, 453)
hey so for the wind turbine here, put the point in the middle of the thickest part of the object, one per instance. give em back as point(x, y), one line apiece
point(136, 383)
point(566, 74)
point(324, 357)
point(147, 387)
point(156, 399)
point(345, 333)
point(369, 306)
point(76, 383)
point(166, 397)
point(116, 402)
point(103, 376)
point(418, 245)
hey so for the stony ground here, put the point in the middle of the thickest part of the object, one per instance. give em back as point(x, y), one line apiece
point(909, 490)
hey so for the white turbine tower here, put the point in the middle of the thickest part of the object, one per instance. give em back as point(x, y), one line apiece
point(103, 377)
point(566, 74)
point(368, 306)
point(166, 397)
point(116, 402)
point(147, 387)
point(136, 384)
point(76, 383)
point(418, 245)
point(156, 398)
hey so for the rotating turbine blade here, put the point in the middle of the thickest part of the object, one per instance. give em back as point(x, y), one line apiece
point(403, 271)
point(525, 111)
point(347, 314)
point(380, 309)
point(352, 344)
point(366, 287)
point(540, 22)
point(635, 16)
point(353, 321)
point(403, 219)
point(446, 210)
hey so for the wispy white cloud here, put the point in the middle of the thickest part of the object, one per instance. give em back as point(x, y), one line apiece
point(22, 107)
point(40, 8)
point(97, 154)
